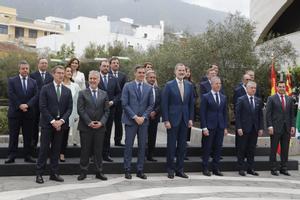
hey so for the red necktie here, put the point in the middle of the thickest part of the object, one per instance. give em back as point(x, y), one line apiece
point(282, 102)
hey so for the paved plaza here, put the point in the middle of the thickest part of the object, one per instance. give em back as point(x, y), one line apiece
point(157, 186)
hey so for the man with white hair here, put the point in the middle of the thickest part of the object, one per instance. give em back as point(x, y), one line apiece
point(249, 125)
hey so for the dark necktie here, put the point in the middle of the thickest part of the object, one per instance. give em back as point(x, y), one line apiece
point(94, 96)
point(282, 102)
point(116, 74)
point(43, 76)
point(217, 98)
point(139, 92)
point(105, 81)
point(58, 91)
point(252, 103)
point(24, 85)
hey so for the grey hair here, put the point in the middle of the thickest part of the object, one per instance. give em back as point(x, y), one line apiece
point(150, 72)
point(94, 72)
point(251, 84)
point(177, 65)
point(57, 67)
point(214, 79)
point(23, 62)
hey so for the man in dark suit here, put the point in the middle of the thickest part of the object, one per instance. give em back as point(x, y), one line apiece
point(206, 77)
point(154, 115)
point(56, 106)
point(213, 115)
point(22, 95)
point(93, 110)
point(240, 89)
point(177, 105)
point(281, 125)
point(122, 79)
point(42, 78)
point(205, 86)
point(109, 84)
point(249, 125)
point(137, 102)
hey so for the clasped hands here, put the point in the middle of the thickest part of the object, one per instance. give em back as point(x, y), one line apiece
point(95, 124)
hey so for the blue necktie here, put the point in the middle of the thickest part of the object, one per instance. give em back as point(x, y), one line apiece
point(139, 92)
point(252, 103)
point(217, 98)
point(94, 96)
point(24, 85)
point(105, 81)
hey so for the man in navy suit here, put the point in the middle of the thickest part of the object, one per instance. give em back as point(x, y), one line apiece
point(42, 77)
point(22, 95)
point(56, 106)
point(177, 107)
point(154, 115)
point(213, 115)
point(249, 125)
point(111, 85)
point(114, 63)
point(137, 102)
point(205, 86)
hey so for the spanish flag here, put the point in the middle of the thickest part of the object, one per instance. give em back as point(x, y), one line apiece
point(273, 80)
point(288, 83)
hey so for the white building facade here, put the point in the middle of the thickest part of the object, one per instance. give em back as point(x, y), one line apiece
point(83, 30)
point(279, 17)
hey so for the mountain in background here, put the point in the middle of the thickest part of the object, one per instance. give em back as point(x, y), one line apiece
point(176, 14)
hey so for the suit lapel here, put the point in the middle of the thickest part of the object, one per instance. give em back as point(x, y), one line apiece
point(176, 89)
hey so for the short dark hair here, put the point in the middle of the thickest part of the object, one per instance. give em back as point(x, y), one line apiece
point(113, 58)
point(138, 67)
point(101, 61)
point(280, 82)
point(148, 63)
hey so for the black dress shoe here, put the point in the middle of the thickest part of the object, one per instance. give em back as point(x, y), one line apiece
point(206, 173)
point(170, 175)
point(218, 173)
point(242, 173)
point(151, 159)
point(101, 176)
point(141, 175)
point(10, 160)
point(128, 175)
point(56, 177)
point(29, 160)
point(181, 174)
point(274, 173)
point(285, 172)
point(119, 144)
point(107, 159)
point(252, 172)
point(81, 177)
point(39, 179)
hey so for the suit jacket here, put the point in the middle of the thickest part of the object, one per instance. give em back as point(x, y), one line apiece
point(276, 116)
point(133, 106)
point(205, 87)
point(122, 78)
point(113, 88)
point(240, 91)
point(51, 108)
point(213, 115)
point(246, 117)
point(172, 106)
point(17, 97)
point(37, 76)
point(157, 103)
point(89, 111)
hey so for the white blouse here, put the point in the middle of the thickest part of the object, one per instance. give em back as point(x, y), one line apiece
point(74, 87)
point(79, 78)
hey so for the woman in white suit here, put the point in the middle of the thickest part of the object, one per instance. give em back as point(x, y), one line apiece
point(73, 119)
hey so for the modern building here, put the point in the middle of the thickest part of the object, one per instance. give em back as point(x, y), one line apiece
point(279, 17)
point(24, 31)
point(82, 31)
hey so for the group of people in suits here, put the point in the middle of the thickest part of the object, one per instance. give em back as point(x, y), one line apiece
point(54, 103)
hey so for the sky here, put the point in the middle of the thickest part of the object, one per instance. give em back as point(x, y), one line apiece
point(224, 5)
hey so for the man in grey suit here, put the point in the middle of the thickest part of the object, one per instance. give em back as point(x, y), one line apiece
point(281, 125)
point(93, 110)
point(137, 102)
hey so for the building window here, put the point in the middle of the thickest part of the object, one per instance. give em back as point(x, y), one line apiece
point(19, 32)
point(3, 29)
point(78, 27)
point(45, 33)
point(145, 35)
point(32, 33)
